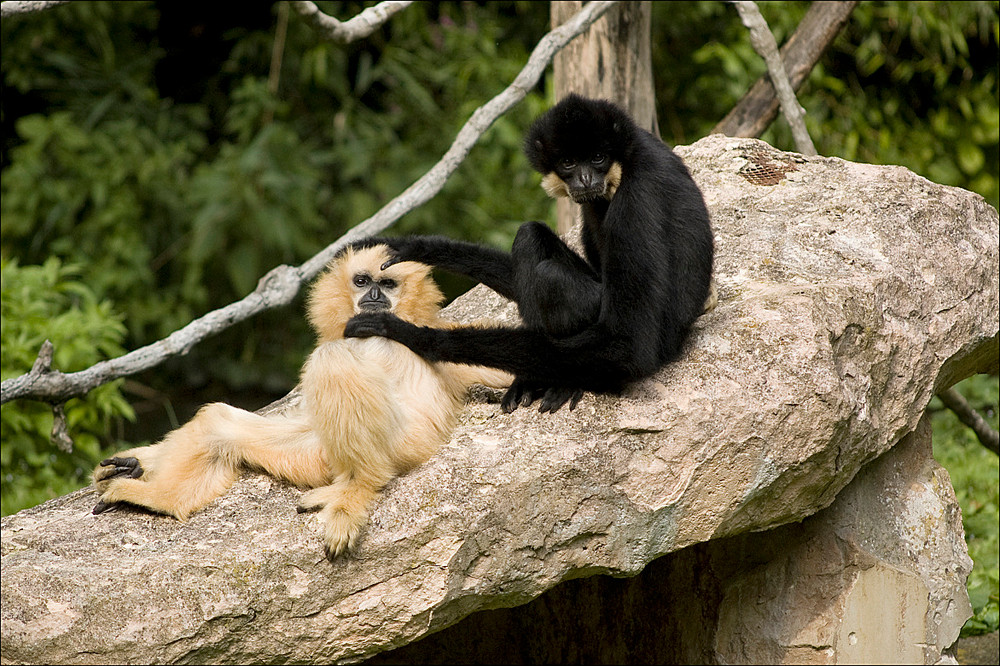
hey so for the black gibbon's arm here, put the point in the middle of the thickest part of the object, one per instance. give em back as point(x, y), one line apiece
point(585, 360)
point(483, 264)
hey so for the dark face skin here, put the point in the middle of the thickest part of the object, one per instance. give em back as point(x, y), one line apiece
point(374, 293)
point(585, 179)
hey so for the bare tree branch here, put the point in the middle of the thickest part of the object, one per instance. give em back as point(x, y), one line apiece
point(279, 286)
point(799, 55)
point(765, 45)
point(14, 7)
point(954, 401)
point(359, 27)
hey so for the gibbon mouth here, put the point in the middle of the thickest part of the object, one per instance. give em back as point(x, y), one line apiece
point(582, 196)
point(373, 306)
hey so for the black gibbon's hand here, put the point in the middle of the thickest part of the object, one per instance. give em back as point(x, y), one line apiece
point(368, 325)
point(396, 247)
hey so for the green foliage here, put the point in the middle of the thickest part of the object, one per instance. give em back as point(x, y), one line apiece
point(104, 199)
point(975, 474)
point(49, 301)
point(910, 83)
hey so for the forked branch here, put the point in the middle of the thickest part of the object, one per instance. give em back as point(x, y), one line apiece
point(359, 27)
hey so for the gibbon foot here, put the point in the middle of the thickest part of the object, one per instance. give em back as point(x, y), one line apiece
point(523, 392)
point(118, 467)
point(520, 394)
point(341, 531)
point(110, 469)
point(555, 398)
point(342, 512)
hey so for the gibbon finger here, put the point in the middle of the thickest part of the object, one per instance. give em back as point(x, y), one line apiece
point(555, 398)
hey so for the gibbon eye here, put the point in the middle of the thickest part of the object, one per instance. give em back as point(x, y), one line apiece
point(387, 284)
point(566, 165)
point(361, 280)
point(599, 159)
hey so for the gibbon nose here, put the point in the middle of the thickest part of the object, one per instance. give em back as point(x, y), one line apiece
point(374, 299)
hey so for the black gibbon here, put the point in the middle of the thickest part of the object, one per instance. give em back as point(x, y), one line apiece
point(590, 323)
point(370, 409)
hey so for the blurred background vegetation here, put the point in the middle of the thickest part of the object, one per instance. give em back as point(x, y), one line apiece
point(154, 167)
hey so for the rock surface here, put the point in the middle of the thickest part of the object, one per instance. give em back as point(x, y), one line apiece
point(876, 577)
point(849, 294)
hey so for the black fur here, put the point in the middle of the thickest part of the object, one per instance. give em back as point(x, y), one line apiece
point(593, 324)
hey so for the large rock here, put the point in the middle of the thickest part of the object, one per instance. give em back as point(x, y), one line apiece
point(877, 577)
point(849, 295)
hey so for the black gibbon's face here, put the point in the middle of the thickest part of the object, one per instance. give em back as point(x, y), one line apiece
point(579, 147)
point(586, 178)
point(374, 294)
point(596, 176)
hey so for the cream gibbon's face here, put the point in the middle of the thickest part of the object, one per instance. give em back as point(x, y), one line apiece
point(354, 282)
point(374, 293)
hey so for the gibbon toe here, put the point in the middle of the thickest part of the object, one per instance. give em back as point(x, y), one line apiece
point(103, 506)
point(313, 500)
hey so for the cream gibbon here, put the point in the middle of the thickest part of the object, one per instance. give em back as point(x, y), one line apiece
point(371, 409)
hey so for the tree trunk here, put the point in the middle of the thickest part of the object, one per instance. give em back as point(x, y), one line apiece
point(610, 61)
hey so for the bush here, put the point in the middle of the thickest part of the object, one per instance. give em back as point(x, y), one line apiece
point(975, 473)
point(49, 301)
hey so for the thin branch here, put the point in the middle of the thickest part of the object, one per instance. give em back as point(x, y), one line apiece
point(278, 49)
point(281, 285)
point(15, 7)
point(765, 45)
point(799, 55)
point(954, 401)
point(359, 27)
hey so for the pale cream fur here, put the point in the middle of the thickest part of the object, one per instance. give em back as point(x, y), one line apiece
point(371, 409)
point(554, 186)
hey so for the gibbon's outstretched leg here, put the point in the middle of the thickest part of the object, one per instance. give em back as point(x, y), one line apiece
point(648, 248)
point(200, 461)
